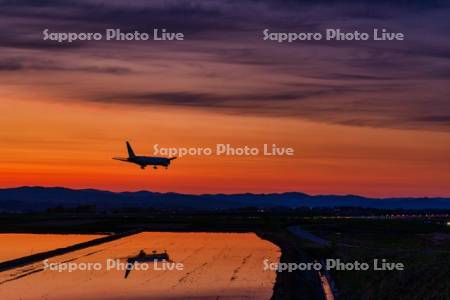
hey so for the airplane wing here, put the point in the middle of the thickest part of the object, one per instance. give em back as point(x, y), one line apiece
point(121, 158)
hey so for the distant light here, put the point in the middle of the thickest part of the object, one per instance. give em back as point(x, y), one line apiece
point(448, 223)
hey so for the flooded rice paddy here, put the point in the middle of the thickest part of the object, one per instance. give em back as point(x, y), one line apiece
point(202, 266)
point(16, 245)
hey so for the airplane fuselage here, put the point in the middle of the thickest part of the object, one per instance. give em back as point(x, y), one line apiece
point(149, 161)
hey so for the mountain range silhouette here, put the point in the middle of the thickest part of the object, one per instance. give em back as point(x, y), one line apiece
point(29, 199)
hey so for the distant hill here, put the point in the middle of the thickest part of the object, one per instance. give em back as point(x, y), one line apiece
point(24, 199)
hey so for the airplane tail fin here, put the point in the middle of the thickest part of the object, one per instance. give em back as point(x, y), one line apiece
point(130, 266)
point(130, 150)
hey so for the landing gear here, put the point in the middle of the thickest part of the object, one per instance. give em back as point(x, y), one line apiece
point(142, 167)
point(154, 167)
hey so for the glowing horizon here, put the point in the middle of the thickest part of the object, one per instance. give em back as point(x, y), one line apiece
point(364, 117)
point(329, 159)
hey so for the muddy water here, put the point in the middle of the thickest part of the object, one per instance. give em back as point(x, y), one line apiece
point(214, 266)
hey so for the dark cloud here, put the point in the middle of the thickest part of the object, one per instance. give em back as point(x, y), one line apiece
point(10, 66)
point(14, 65)
point(355, 76)
point(444, 120)
point(347, 105)
point(382, 84)
point(225, 101)
point(206, 100)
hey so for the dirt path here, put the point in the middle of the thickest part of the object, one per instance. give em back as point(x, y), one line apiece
point(293, 285)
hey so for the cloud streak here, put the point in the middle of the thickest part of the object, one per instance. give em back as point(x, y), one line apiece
point(231, 70)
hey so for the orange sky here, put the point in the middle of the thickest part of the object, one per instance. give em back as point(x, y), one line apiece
point(51, 144)
point(364, 117)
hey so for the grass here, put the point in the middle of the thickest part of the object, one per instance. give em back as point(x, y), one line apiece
point(422, 246)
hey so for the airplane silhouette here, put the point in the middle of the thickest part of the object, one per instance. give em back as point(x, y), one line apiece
point(144, 161)
point(144, 257)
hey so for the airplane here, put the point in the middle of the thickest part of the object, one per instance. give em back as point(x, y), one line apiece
point(144, 257)
point(144, 161)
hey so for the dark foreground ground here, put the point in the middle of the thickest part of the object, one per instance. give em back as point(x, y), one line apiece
point(422, 243)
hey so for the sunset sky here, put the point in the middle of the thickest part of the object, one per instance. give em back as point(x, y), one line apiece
point(364, 117)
